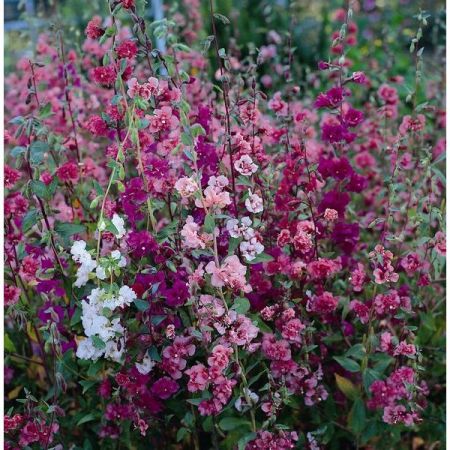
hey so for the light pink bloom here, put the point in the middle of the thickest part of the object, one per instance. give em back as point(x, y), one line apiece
point(245, 166)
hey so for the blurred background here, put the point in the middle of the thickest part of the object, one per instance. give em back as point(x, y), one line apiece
point(385, 26)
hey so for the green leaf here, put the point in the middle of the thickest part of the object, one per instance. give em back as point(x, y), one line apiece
point(347, 363)
point(40, 189)
point(17, 151)
point(230, 423)
point(241, 305)
point(222, 18)
point(87, 418)
point(357, 351)
point(30, 219)
point(182, 433)
point(197, 130)
point(209, 224)
point(142, 305)
point(87, 384)
point(262, 257)
point(37, 150)
point(346, 387)
point(357, 416)
point(45, 111)
point(66, 229)
point(9, 344)
point(98, 343)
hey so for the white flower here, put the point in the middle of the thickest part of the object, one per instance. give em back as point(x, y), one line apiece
point(126, 296)
point(240, 228)
point(238, 404)
point(87, 350)
point(82, 256)
point(119, 223)
point(218, 182)
point(100, 272)
point(254, 203)
point(245, 166)
point(251, 248)
point(146, 365)
point(118, 256)
point(78, 250)
point(83, 272)
point(112, 350)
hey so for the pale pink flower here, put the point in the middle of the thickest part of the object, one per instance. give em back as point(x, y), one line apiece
point(330, 214)
point(245, 166)
point(186, 186)
point(254, 203)
point(231, 274)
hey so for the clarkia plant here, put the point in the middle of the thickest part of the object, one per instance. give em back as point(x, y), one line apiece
point(226, 261)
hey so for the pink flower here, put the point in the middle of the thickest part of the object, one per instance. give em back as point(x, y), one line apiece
point(358, 278)
point(126, 49)
point(96, 125)
point(68, 172)
point(387, 303)
point(275, 350)
point(440, 243)
point(94, 29)
point(331, 215)
point(220, 357)
point(231, 274)
point(198, 378)
point(411, 263)
point(359, 78)
point(191, 236)
point(325, 303)
point(388, 94)
point(291, 330)
point(11, 176)
point(145, 91)
point(186, 187)
point(360, 309)
point(162, 120)
point(164, 388)
point(323, 268)
point(412, 124)
point(104, 75)
point(11, 294)
point(405, 349)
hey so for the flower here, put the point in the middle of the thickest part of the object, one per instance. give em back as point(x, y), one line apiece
point(186, 187)
point(324, 303)
point(231, 273)
point(254, 203)
point(126, 49)
point(245, 166)
point(251, 248)
point(94, 29)
point(164, 388)
point(119, 223)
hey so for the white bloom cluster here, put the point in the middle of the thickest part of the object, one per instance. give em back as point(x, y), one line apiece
point(251, 246)
point(88, 265)
point(83, 257)
point(105, 336)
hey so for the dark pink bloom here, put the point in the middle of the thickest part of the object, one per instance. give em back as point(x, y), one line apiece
point(164, 388)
